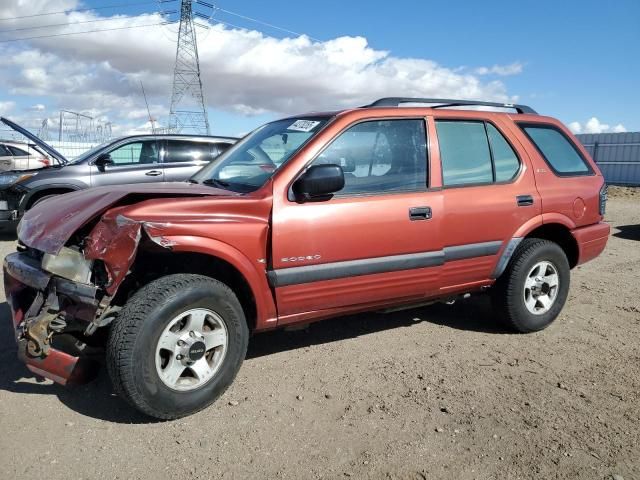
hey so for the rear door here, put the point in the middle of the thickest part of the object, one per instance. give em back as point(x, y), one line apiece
point(183, 158)
point(136, 161)
point(489, 194)
point(374, 242)
point(21, 158)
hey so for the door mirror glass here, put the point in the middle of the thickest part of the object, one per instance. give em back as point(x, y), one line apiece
point(102, 161)
point(319, 182)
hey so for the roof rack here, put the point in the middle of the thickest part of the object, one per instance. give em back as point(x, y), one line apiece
point(447, 102)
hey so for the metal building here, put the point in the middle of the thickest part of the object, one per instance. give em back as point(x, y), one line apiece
point(617, 155)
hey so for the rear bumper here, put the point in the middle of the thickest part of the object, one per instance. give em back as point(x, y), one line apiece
point(591, 240)
point(35, 297)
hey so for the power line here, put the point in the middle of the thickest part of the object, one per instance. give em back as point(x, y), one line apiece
point(104, 7)
point(255, 20)
point(51, 25)
point(87, 31)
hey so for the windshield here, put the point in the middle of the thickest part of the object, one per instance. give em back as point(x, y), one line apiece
point(247, 165)
point(83, 156)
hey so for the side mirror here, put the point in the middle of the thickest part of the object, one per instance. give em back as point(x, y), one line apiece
point(319, 181)
point(102, 161)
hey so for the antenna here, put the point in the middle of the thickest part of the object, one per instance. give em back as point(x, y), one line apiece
point(187, 113)
point(151, 120)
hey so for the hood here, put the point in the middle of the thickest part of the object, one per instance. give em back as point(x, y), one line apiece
point(48, 226)
point(43, 145)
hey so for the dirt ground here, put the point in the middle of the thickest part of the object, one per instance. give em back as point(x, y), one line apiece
point(435, 392)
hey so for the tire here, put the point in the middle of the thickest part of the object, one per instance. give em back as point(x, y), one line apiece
point(135, 353)
point(533, 264)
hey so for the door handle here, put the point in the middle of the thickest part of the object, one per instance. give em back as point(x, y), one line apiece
point(419, 213)
point(524, 200)
point(153, 173)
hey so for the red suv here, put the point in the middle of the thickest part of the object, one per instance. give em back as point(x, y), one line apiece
point(306, 218)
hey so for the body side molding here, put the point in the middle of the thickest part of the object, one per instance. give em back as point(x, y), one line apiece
point(351, 268)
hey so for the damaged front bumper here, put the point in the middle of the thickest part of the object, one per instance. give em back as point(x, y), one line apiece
point(43, 305)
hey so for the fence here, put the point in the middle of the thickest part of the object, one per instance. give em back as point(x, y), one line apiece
point(70, 149)
point(617, 155)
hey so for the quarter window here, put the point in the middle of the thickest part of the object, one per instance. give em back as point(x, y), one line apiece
point(561, 155)
point(383, 156)
point(473, 153)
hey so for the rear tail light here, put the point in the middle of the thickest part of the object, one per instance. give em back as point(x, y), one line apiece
point(45, 162)
point(604, 193)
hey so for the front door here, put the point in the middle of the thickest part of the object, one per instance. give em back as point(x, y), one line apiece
point(376, 241)
point(137, 161)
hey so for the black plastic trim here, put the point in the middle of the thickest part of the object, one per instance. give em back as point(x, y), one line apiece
point(448, 102)
point(367, 266)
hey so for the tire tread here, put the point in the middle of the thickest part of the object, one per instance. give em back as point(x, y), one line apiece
point(124, 334)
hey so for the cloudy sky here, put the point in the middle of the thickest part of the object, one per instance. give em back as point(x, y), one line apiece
point(566, 59)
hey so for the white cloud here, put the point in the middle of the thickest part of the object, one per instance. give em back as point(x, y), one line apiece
point(6, 107)
point(502, 70)
point(575, 127)
point(38, 107)
point(243, 71)
point(593, 125)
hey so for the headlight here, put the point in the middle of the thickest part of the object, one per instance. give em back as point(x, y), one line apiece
point(11, 178)
point(68, 264)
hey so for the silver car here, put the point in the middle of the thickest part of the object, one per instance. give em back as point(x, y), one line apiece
point(21, 156)
point(132, 159)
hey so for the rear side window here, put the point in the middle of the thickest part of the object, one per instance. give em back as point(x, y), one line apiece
point(504, 158)
point(219, 148)
point(16, 152)
point(558, 151)
point(185, 151)
point(474, 153)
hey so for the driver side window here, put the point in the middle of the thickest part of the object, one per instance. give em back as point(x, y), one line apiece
point(383, 156)
point(136, 153)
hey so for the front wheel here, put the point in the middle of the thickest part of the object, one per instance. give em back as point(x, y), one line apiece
point(533, 289)
point(177, 345)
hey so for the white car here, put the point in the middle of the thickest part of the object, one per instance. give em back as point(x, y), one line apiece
point(21, 156)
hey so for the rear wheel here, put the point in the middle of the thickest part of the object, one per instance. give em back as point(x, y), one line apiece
point(533, 289)
point(177, 345)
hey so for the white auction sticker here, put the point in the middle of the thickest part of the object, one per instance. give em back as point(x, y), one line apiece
point(303, 125)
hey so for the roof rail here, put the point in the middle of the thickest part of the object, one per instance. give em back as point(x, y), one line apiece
point(447, 102)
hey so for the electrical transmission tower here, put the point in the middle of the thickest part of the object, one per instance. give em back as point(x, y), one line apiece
point(188, 113)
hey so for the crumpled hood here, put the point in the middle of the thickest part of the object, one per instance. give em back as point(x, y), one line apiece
point(48, 226)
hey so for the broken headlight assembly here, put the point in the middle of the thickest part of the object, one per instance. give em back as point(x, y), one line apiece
point(69, 264)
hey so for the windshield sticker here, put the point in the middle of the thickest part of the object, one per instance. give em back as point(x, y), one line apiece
point(303, 125)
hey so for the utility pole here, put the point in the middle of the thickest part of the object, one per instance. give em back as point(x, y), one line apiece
point(187, 113)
